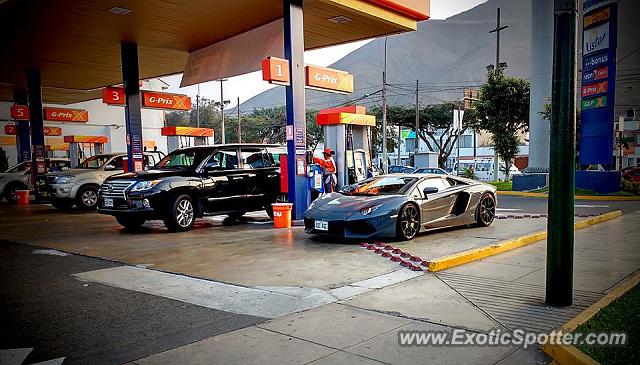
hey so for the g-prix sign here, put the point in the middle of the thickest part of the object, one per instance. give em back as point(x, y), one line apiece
point(329, 79)
point(156, 100)
point(66, 115)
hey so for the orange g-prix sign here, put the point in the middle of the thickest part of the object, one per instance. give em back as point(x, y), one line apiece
point(156, 100)
point(66, 115)
point(328, 79)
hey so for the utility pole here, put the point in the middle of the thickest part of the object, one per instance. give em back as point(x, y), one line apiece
point(239, 126)
point(385, 165)
point(497, 69)
point(416, 147)
point(222, 111)
point(399, 160)
point(559, 290)
point(198, 107)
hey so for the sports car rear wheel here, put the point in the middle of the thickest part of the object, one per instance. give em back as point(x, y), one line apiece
point(486, 211)
point(408, 222)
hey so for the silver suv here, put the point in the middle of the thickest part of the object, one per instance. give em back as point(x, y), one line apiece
point(18, 177)
point(80, 185)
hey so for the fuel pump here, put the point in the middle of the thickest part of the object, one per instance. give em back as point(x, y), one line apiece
point(78, 144)
point(346, 131)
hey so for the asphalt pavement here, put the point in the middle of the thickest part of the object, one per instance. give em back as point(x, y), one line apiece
point(523, 204)
point(44, 307)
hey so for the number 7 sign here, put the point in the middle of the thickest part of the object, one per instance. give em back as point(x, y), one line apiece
point(275, 71)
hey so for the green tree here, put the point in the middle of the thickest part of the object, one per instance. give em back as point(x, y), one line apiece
point(545, 113)
point(436, 127)
point(503, 110)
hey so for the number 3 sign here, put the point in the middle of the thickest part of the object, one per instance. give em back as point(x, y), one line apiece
point(113, 96)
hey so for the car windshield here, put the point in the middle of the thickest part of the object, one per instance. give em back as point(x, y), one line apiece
point(384, 185)
point(94, 162)
point(23, 166)
point(183, 159)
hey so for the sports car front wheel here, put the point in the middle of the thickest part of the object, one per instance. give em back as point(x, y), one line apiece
point(408, 222)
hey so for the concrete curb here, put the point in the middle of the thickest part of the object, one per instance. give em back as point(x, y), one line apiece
point(565, 355)
point(577, 197)
point(467, 256)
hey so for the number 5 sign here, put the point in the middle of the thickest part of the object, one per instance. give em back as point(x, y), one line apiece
point(19, 112)
point(113, 96)
point(275, 70)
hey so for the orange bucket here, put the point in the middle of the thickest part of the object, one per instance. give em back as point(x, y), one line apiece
point(23, 197)
point(281, 215)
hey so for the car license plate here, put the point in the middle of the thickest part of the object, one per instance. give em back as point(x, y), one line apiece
point(108, 202)
point(322, 225)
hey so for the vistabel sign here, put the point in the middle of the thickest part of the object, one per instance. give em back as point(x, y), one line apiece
point(157, 100)
point(327, 79)
point(66, 115)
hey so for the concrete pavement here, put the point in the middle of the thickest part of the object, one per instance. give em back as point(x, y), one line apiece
point(504, 291)
point(279, 296)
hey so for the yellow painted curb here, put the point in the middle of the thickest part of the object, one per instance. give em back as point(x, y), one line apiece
point(569, 355)
point(474, 254)
point(577, 197)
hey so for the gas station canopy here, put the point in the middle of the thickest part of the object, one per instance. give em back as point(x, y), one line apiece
point(76, 44)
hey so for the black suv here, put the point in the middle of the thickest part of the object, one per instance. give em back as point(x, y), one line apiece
point(188, 183)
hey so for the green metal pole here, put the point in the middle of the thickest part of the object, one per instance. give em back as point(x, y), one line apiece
point(562, 169)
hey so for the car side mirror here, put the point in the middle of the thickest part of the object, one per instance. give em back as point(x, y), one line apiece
point(429, 190)
point(109, 168)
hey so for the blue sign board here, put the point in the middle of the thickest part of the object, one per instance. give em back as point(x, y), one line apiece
point(598, 65)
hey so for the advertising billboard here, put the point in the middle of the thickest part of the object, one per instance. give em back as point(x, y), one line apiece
point(598, 81)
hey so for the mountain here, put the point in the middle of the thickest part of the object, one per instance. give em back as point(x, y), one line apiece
point(445, 55)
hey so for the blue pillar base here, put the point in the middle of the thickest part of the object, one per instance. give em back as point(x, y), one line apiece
point(527, 182)
point(603, 182)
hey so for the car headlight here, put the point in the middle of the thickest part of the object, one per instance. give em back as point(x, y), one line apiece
point(64, 179)
point(369, 210)
point(145, 185)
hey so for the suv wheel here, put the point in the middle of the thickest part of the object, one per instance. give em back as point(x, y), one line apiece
point(181, 214)
point(130, 222)
point(87, 197)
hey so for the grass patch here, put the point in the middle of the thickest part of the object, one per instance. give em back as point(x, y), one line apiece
point(502, 185)
point(622, 315)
